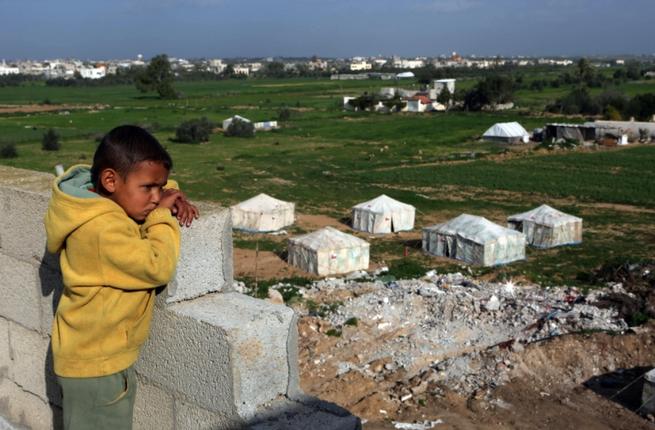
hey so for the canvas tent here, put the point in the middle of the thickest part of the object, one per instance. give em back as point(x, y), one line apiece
point(262, 213)
point(383, 215)
point(474, 240)
point(510, 132)
point(328, 252)
point(545, 227)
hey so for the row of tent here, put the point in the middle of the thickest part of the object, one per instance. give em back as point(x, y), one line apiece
point(468, 238)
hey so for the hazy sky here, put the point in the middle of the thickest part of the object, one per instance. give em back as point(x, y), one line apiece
point(95, 29)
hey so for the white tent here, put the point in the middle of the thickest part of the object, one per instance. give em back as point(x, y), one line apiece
point(227, 122)
point(511, 132)
point(262, 213)
point(328, 252)
point(383, 215)
point(546, 227)
point(475, 240)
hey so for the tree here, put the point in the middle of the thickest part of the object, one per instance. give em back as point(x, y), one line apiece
point(444, 97)
point(50, 141)
point(194, 131)
point(158, 77)
point(240, 128)
point(8, 151)
point(274, 69)
point(493, 90)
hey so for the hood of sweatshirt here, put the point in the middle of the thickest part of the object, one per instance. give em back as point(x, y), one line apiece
point(73, 203)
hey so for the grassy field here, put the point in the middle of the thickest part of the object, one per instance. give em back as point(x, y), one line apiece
point(326, 160)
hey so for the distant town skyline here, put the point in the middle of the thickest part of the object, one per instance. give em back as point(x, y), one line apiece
point(39, 29)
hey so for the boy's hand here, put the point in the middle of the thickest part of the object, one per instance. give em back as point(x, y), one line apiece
point(176, 201)
point(185, 211)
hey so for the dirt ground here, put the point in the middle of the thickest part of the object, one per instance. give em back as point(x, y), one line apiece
point(47, 108)
point(562, 383)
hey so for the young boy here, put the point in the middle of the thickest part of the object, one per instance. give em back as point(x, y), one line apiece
point(114, 225)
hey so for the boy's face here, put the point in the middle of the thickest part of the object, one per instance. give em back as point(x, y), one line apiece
point(141, 189)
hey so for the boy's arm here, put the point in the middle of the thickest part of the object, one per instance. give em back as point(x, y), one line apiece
point(131, 262)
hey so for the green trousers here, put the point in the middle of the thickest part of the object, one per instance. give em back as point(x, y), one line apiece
point(100, 403)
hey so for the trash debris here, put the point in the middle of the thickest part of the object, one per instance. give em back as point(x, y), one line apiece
point(425, 425)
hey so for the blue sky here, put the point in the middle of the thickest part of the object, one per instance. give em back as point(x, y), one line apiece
point(95, 29)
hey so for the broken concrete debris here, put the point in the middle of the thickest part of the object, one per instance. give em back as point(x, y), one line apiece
point(447, 330)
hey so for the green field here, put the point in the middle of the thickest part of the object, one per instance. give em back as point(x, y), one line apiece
point(326, 160)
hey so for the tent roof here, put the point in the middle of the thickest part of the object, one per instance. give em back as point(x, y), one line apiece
point(473, 228)
point(544, 214)
point(232, 118)
point(328, 238)
point(263, 203)
point(506, 129)
point(382, 204)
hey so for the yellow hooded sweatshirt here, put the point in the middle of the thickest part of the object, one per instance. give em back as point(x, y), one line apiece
point(111, 266)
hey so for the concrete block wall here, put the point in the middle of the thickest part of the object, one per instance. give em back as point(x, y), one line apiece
point(215, 359)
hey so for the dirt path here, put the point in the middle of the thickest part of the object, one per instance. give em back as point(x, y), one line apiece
point(48, 108)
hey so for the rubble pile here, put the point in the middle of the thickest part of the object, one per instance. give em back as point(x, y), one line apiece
point(444, 330)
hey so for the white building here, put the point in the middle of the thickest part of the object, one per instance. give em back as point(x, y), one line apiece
point(93, 72)
point(241, 70)
point(360, 65)
point(8, 70)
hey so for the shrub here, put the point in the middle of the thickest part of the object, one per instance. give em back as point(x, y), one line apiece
point(240, 128)
point(50, 141)
point(194, 131)
point(284, 114)
point(8, 151)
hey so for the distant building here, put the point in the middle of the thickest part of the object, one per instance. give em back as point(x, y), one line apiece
point(360, 65)
point(8, 70)
point(241, 70)
point(93, 72)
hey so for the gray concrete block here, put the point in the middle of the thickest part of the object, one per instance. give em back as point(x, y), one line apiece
point(20, 292)
point(31, 366)
point(191, 417)
point(5, 355)
point(22, 233)
point(26, 409)
point(205, 263)
point(153, 407)
point(224, 352)
point(186, 356)
point(256, 332)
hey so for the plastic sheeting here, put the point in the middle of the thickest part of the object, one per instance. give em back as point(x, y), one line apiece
point(262, 213)
point(474, 240)
point(546, 227)
point(383, 215)
point(328, 252)
point(227, 122)
point(507, 132)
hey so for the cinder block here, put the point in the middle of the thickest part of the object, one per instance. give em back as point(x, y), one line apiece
point(153, 408)
point(19, 289)
point(5, 355)
point(224, 352)
point(26, 409)
point(31, 366)
point(191, 417)
point(22, 233)
point(205, 263)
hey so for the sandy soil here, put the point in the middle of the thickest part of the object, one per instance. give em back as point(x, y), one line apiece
point(558, 384)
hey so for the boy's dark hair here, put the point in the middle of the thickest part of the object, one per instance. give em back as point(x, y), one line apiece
point(123, 148)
